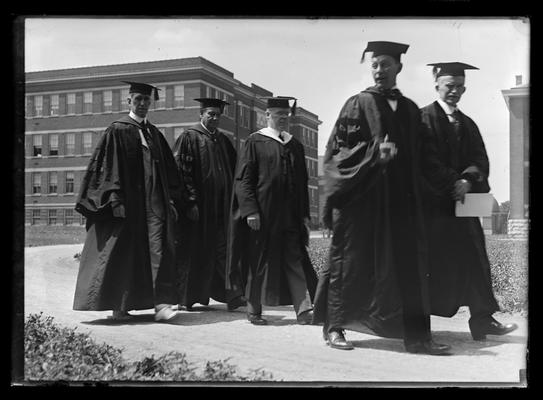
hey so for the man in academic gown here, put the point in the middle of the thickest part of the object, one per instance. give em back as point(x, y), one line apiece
point(270, 212)
point(206, 161)
point(129, 196)
point(459, 266)
point(376, 278)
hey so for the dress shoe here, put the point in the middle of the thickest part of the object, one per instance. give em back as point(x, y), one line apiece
point(256, 319)
point(236, 303)
point(305, 318)
point(165, 314)
point(120, 316)
point(428, 347)
point(488, 326)
point(336, 340)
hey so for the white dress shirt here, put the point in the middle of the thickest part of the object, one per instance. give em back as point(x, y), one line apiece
point(448, 109)
point(139, 120)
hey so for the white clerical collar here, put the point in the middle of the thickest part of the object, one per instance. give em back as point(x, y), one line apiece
point(274, 134)
point(446, 107)
point(207, 129)
point(136, 118)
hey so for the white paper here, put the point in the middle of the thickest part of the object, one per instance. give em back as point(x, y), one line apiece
point(475, 205)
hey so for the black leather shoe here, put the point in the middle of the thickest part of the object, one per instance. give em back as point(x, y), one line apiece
point(481, 327)
point(256, 319)
point(305, 318)
point(428, 347)
point(236, 303)
point(336, 340)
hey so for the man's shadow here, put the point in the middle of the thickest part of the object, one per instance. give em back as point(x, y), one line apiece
point(199, 315)
point(461, 343)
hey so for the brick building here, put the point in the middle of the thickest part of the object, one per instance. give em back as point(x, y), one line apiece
point(67, 110)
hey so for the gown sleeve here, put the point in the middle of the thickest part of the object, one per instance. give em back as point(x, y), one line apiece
point(184, 155)
point(101, 194)
point(246, 180)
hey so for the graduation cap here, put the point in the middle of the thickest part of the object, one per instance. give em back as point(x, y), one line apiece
point(211, 102)
point(450, 69)
point(143, 88)
point(392, 49)
point(281, 102)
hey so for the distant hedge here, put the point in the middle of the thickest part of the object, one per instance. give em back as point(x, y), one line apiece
point(509, 268)
point(55, 353)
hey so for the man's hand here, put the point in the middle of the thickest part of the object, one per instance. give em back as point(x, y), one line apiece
point(193, 214)
point(387, 151)
point(118, 210)
point(461, 187)
point(253, 221)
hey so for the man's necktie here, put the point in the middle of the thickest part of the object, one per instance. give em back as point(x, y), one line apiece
point(455, 121)
point(147, 135)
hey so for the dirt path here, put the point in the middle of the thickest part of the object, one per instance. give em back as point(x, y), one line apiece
point(289, 351)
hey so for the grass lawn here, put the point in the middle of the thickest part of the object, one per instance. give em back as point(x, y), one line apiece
point(508, 259)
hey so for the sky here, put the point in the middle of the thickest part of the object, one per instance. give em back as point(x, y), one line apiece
point(314, 60)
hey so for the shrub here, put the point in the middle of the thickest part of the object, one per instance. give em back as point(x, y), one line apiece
point(54, 353)
point(508, 262)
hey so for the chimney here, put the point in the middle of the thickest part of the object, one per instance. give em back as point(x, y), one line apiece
point(518, 79)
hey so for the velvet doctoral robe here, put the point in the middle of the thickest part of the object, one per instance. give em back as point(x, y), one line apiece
point(375, 211)
point(206, 165)
point(459, 267)
point(115, 270)
point(262, 184)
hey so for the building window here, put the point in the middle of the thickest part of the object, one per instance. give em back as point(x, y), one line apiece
point(53, 182)
point(38, 106)
point(70, 143)
point(68, 216)
point(161, 102)
point(244, 116)
point(36, 216)
point(177, 132)
point(36, 183)
point(87, 102)
point(37, 145)
point(107, 101)
point(54, 104)
point(124, 102)
point(52, 217)
point(53, 145)
point(261, 119)
point(87, 142)
point(178, 96)
point(70, 102)
point(211, 92)
point(227, 107)
point(69, 187)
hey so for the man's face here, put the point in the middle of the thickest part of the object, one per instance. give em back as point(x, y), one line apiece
point(450, 89)
point(210, 117)
point(139, 104)
point(384, 69)
point(278, 118)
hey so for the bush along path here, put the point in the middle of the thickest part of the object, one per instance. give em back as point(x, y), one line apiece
point(55, 353)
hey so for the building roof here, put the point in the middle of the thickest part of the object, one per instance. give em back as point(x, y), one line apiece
point(128, 68)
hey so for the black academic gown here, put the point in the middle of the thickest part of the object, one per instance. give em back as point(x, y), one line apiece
point(460, 271)
point(378, 246)
point(115, 271)
point(206, 164)
point(263, 184)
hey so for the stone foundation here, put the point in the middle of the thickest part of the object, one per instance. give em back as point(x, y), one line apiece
point(518, 228)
